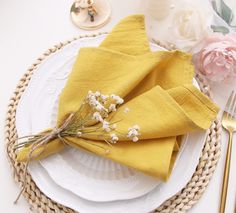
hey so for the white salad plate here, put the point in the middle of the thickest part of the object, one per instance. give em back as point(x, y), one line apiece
point(79, 179)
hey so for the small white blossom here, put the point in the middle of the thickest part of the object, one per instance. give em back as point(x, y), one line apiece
point(126, 110)
point(112, 108)
point(100, 107)
point(135, 139)
point(97, 101)
point(114, 126)
point(104, 97)
point(133, 133)
point(117, 98)
point(114, 138)
point(91, 99)
point(120, 101)
point(79, 134)
point(106, 126)
point(97, 116)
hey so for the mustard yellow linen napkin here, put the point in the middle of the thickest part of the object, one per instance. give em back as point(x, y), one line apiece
point(157, 88)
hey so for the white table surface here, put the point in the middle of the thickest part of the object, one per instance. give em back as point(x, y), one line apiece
point(28, 28)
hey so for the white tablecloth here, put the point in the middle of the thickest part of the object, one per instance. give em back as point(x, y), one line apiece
point(28, 28)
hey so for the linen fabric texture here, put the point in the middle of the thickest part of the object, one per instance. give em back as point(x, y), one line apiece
point(157, 88)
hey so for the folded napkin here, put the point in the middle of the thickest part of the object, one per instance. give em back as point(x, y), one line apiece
point(157, 88)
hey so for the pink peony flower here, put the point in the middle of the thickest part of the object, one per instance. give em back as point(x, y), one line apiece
point(216, 57)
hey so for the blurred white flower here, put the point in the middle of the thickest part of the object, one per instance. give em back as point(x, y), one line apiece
point(187, 24)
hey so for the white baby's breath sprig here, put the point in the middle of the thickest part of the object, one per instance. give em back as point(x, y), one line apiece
point(91, 121)
point(97, 116)
point(117, 99)
point(112, 108)
point(133, 133)
point(114, 138)
point(96, 102)
point(104, 98)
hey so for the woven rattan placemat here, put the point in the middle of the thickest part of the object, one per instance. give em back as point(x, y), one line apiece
point(180, 202)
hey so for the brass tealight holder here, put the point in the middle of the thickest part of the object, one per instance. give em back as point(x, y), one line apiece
point(90, 14)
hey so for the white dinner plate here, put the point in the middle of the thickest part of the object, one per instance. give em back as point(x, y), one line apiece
point(39, 99)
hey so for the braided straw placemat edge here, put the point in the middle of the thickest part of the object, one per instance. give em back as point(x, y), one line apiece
point(181, 202)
